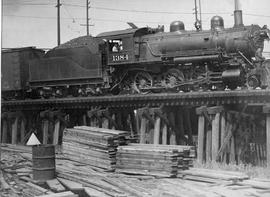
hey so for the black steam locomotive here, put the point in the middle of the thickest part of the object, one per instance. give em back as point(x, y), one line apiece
point(143, 60)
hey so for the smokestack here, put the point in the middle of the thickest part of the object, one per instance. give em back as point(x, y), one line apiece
point(238, 16)
point(236, 5)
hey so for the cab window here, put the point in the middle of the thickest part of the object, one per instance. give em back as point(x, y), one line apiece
point(115, 45)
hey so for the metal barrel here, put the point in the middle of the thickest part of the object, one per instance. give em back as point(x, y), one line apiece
point(43, 157)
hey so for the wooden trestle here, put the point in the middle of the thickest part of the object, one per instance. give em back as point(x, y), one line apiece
point(229, 128)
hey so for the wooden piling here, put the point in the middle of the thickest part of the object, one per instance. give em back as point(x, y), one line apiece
point(45, 131)
point(164, 134)
point(232, 151)
point(180, 126)
point(22, 130)
point(56, 132)
point(105, 123)
point(143, 130)
point(4, 130)
point(14, 131)
point(172, 132)
point(266, 110)
point(208, 145)
point(215, 112)
point(84, 120)
point(188, 124)
point(201, 128)
point(157, 130)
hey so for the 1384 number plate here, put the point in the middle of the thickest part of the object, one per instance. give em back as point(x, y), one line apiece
point(122, 57)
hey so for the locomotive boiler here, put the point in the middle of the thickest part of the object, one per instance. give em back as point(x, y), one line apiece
point(144, 60)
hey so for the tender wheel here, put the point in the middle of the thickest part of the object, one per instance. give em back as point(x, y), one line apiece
point(173, 77)
point(142, 82)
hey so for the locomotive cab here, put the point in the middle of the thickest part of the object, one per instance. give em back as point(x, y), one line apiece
point(119, 46)
point(123, 47)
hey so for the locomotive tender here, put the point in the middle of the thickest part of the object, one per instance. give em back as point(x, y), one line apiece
point(143, 60)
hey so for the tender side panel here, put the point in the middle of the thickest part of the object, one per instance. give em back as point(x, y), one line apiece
point(66, 69)
point(10, 71)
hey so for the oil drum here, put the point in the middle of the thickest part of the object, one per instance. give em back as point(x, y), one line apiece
point(43, 157)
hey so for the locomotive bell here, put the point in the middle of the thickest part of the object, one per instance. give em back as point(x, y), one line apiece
point(177, 26)
point(217, 23)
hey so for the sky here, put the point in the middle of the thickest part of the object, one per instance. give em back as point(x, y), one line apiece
point(33, 22)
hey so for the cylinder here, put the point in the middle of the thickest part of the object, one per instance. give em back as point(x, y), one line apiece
point(43, 157)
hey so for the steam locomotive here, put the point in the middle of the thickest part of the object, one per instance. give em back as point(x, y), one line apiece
point(143, 60)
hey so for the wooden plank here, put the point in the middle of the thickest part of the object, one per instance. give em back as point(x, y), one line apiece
point(256, 184)
point(164, 134)
point(215, 174)
point(14, 131)
point(3, 182)
point(157, 130)
point(55, 185)
point(101, 130)
point(37, 187)
point(91, 192)
point(61, 194)
point(201, 128)
point(56, 132)
point(71, 185)
point(96, 184)
point(143, 130)
point(215, 136)
point(45, 130)
point(147, 148)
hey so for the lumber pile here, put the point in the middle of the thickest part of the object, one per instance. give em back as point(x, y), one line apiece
point(150, 159)
point(93, 146)
point(212, 176)
point(84, 180)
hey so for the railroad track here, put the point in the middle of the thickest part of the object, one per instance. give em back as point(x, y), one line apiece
point(152, 100)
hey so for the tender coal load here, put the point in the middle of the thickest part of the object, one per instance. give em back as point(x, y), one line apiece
point(91, 42)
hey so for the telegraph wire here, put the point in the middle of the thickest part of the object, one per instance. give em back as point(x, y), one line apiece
point(129, 10)
point(80, 18)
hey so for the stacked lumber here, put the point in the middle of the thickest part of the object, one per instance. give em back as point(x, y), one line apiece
point(84, 180)
point(150, 159)
point(186, 153)
point(212, 176)
point(94, 146)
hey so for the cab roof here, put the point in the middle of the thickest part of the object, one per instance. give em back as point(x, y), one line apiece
point(121, 33)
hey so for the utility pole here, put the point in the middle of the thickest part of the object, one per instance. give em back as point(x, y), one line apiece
point(87, 17)
point(58, 22)
point(197, 21)
point(200, 12)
